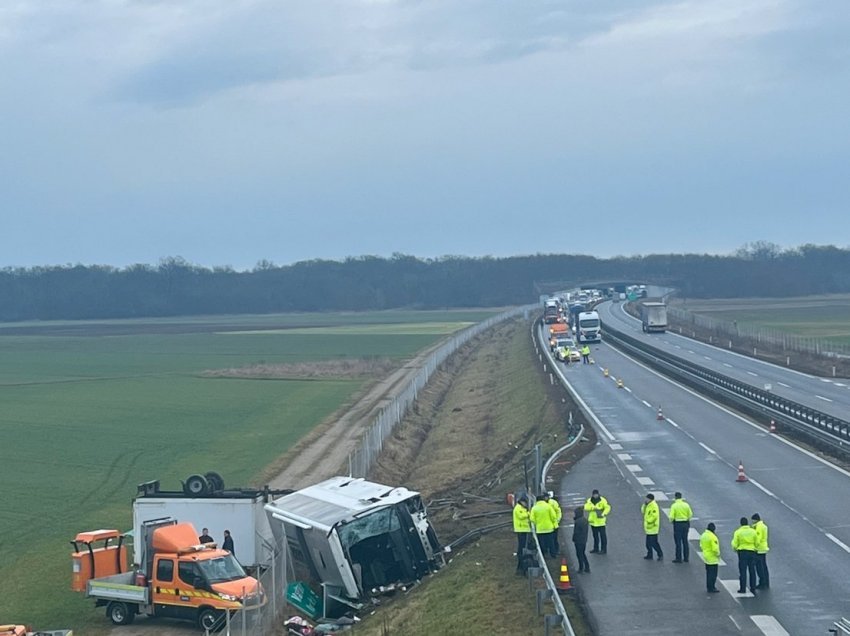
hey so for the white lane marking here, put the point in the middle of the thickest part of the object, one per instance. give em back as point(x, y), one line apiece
point(647, 403)
point(735, 623)
point(666, 511)
point(634, 468)
point(645, 481)
point(769, 625)
point(840, 384)
point(627, 389)
point(677, 346)
point(691, 351)
point(624, 456)
point(726, 364)
point(616, 446)
point(731, 413)
point(838, 542)
point(583, 404)
point(672, 422)
point(713, 452)
point(787, 386)
point(755, 375)
point(693, 535)
point(660, 496)
point(731, 586)
point(763, 489)
point(825, 380)
point(707, 357)
point(825, 399)
point(702, 556)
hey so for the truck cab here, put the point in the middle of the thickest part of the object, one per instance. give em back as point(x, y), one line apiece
point(178, 577)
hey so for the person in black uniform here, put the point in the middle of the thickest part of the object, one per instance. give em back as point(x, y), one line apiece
point(228, 543)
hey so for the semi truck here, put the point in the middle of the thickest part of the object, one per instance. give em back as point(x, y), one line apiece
point(588, 327)
point(176, 576)
point(653, 317)
point(551, 311)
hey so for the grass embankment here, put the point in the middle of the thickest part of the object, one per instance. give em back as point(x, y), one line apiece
point(87, 417)
point(469, 431)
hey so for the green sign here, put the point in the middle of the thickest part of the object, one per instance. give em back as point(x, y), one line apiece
point(299, 595)
point(632, 296)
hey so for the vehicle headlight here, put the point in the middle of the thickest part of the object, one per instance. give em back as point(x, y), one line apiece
point(229, 597)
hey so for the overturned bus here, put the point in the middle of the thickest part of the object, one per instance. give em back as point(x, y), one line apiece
point(356, 536)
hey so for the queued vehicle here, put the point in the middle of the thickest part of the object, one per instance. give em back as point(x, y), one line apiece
point(566, 350)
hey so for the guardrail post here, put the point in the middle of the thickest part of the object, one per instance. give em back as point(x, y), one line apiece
point(551, 620)
point(534, 572)
point(542, 597)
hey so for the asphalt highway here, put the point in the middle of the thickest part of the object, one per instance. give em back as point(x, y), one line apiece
point(829, 395)
point(696, 449)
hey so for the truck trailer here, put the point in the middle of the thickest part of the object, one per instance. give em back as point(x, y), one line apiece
point(239, 510)
point(653, 317)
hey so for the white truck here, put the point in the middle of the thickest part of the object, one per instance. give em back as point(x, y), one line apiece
point(653, 317)
point(241, 511)
point(588, 329)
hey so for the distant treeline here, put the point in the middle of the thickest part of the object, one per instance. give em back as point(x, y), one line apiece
point(176, 287)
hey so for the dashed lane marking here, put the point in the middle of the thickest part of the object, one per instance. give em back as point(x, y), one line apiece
point(825, 399)
point(838, 542)
point(768, 625)
point(787, 386)
point(713, 452)
point(755, 375)
point(634, 468)
point(627, 389)
point(647, 403)
point(726, 364)
point(731, 586)
point(707, 357)
point(693, 535)
point(624, 456)
point(645, 481)
point(616, 446)
point(762, 488)
point(660, 496)
point(702, 556)
point(672, 422)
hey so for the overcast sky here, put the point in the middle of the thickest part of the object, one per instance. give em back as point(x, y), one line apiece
point(229, 131)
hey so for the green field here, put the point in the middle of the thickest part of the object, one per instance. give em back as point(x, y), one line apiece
point(91, 409)
point(813, 317)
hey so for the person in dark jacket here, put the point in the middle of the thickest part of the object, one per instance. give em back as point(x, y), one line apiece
point(228, 543)
point(205, 537)
point(580, 538)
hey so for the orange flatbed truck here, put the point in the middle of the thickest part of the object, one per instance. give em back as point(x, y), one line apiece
point(177, 578)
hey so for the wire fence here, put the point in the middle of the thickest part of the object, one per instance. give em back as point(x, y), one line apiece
point(262, 612)
point(760, 335)
point(361, 460)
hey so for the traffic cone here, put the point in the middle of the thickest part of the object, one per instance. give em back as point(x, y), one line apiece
point(660, 415)
point(742, 477)
point(605, 372)
point(564, 581)
point(619, 383)
point(772, 426)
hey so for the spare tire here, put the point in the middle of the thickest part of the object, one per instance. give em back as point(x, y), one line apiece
point(196, 485)
point(215, 481)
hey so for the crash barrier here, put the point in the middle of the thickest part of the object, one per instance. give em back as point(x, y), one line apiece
point(841, 626)
point(559, 618)
point(762, 335)
point(265, 615)
point(819, 427)
point(362, 458)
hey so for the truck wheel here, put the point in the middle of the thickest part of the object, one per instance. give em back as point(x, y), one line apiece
point(215, 481)
point(196, 485)
point(210, 619)
point(119, 613)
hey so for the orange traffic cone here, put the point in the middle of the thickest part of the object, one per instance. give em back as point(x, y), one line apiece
point(772, 426)
point(741, 475)
point(660, 415)
point(564, 581)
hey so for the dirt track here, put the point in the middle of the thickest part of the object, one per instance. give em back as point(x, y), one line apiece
point(321, 454)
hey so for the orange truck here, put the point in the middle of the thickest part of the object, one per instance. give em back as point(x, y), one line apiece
point(558, 330)
point(178, 577)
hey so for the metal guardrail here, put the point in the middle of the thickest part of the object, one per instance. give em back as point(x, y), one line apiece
point(817, 425)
